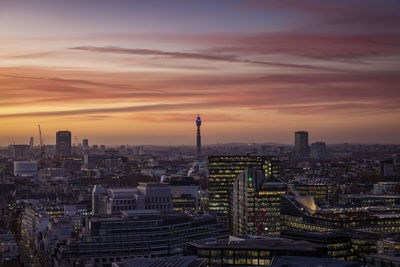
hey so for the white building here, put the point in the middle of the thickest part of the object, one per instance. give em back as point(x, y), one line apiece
point(25, 168)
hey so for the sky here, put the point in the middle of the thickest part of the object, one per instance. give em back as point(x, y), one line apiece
point(139, 72)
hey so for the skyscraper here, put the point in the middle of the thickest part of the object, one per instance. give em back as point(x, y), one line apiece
point(85, 143)
point(301, 144)
point(31, 142)
point(198, 123)
point(223, 171)
point(255, 203)
point(63, 143)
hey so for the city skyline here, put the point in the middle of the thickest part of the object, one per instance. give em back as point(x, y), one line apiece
point(134, 72)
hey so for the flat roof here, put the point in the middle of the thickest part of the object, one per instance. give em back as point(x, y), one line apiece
point(260, 244)
point(296, 261)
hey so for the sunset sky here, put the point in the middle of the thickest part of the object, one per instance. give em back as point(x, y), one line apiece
point(138, 72)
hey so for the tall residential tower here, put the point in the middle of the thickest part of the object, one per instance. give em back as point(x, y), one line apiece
point(198, 123)
point(63, 143)
point(301, 144)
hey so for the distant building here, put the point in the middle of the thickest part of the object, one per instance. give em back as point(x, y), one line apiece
point(387, 167)
point(128, 198)
point(63, 143)
point(318, 150)
point(99, 200)
point(255, 204)
point(6, 191)
point(25, 168)
point(20, 152)
point(31, 142)
point(85, 143)
point(301, 144)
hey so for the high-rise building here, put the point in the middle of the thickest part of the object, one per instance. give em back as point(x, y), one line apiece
point(318, 150)
point(31, 142)
point(223, 171)
point(63, 143)
point(301, 144)
point(255, 204)
point(198, 123)
point(85, 143)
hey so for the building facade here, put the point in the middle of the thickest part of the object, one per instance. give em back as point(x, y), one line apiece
point(301, 144)
point(145, 233)
point(318, 150)
point(63, 143)
point(255, 204)
point(223, 171)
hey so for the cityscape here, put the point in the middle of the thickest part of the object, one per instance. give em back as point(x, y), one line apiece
point(200, 133)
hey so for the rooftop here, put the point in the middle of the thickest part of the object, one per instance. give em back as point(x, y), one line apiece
point(295, 261)
point(271, 243)
point(182, 261)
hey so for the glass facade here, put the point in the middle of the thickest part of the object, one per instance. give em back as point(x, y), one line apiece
point(223, 171)
point(255, 204)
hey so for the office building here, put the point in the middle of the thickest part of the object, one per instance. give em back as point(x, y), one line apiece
point(198, 143)
point(9, 249)
point(387, 253)
point(322, 193)
point(20, 152)
point(186, 194)
point(85, 143)
point(301, 144)
point(318, 150)
point(255, 204)
point(223, 171)
point(157, 196)
point(149, 196)
point(63, 143)
point(340, 245)
point(259, 251)
point(181, 261)
point(301, 261)
point(300, 213)
point(31, 142)
point(126, 198)
point(25, 168)
point(140, 233)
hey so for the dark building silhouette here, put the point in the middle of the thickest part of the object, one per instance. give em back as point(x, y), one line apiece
point(301, 144)
point(63, 143)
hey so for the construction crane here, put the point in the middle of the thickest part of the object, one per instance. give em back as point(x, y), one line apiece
point(41, 146)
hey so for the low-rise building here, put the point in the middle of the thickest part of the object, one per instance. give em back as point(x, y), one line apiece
point(138, 233)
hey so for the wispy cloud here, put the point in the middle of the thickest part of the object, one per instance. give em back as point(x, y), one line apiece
point(198, 56)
